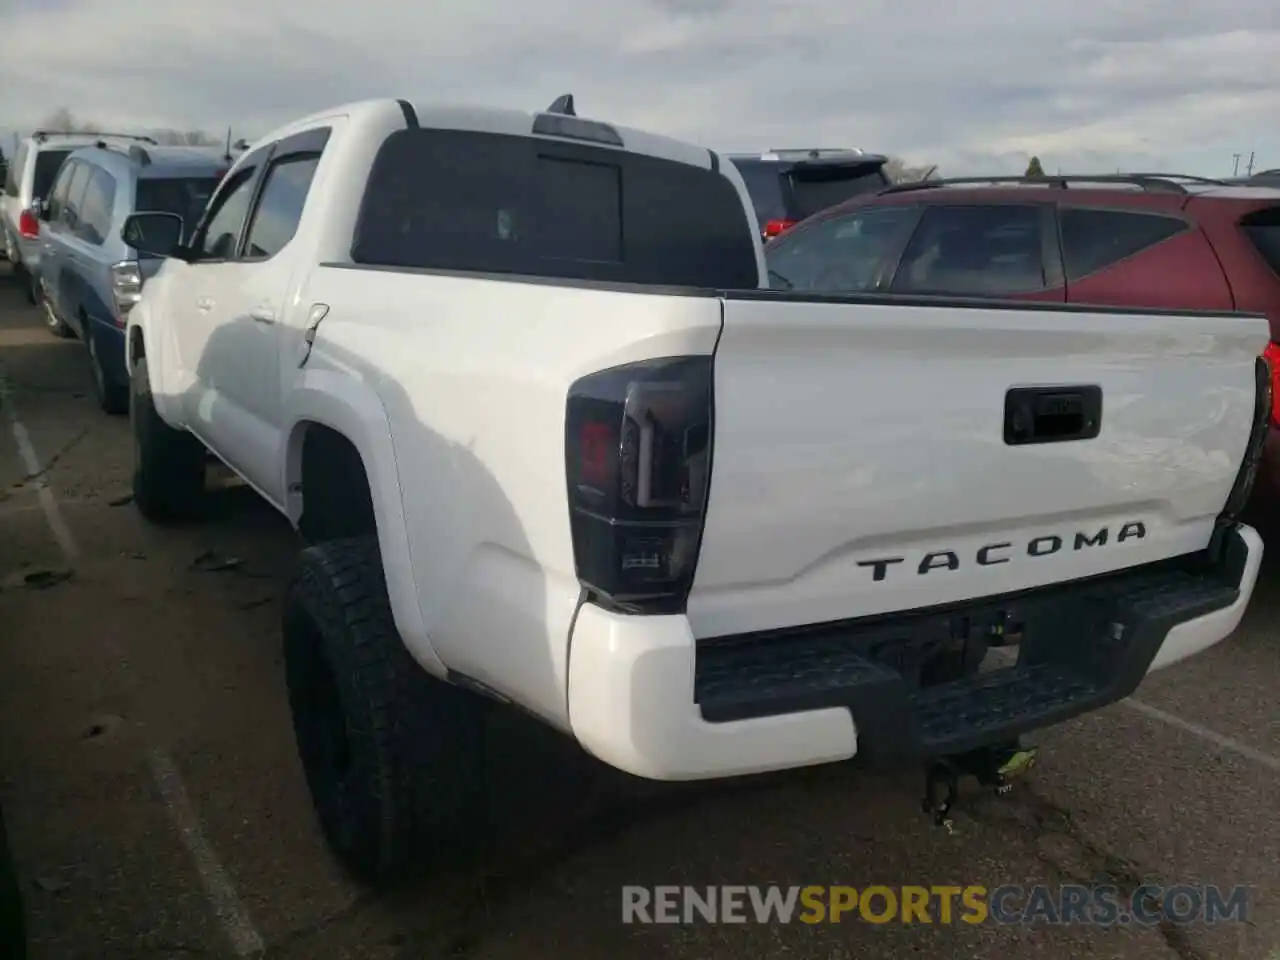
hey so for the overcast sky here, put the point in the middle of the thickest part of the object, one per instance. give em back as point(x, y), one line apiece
point(976, 85)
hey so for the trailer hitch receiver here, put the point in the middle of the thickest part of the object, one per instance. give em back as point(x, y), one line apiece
point(994, 767)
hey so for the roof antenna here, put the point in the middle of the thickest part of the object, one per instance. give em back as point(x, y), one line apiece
point(226, 154)
point(563, 104)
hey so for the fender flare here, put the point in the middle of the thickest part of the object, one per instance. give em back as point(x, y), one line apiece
point(353, 408)
point(160, 353)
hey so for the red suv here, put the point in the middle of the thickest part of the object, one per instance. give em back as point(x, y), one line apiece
point(1155, 241)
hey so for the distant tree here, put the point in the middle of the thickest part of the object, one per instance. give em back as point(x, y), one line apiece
point(188, 138)
point(63, 119)
point(1034, 169)
point(898, 171)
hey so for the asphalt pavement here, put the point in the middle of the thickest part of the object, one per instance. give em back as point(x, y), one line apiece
point(155, 805)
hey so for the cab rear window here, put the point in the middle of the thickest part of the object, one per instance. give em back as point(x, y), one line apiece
point(499, 203)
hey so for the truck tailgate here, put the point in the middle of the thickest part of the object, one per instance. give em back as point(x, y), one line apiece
point(861, 463)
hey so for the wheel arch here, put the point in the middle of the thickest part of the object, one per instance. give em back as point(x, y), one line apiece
point(333, 408)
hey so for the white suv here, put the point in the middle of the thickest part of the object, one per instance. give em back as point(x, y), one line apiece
point(30, 177)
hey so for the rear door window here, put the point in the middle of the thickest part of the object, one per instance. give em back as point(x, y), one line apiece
point(58, 196)
point(13, 176)
point(96, 207)
point(1263, 229)
point(47, 164)
point(1093, 240)
point(979, 250)
point(840, 254)
point(498, 203)
point(75, 194)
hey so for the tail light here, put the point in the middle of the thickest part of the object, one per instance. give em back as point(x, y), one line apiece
point(774, 227)
point(1266, 370)
point(29, 225)
point(126, 288)
point(1272, 357)
point(638, 460)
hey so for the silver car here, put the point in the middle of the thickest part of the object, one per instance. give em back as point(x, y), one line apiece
point(32, 170)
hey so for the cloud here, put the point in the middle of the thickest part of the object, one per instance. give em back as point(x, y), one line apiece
point(973, 86)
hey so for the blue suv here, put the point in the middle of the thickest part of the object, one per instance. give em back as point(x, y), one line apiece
point(89, 275)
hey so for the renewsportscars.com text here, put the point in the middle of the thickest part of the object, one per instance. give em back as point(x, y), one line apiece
point(1010, 904)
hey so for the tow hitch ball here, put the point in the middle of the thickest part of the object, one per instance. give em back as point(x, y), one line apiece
point(995, 767)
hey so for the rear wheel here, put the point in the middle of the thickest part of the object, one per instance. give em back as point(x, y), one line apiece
point(168, 464)
point(393, 757)
point(32, 287)
point(51, 319)
point(13, 924)
point(112, 397)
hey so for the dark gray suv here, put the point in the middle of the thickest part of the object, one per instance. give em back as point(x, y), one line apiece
point(786, 186)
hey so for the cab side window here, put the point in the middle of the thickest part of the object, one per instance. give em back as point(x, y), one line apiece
point(217, 237)
point(279, 210)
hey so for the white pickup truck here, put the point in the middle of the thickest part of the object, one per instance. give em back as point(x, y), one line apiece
point(517, 380)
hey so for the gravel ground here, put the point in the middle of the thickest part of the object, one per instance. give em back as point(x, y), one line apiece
point(155, 806)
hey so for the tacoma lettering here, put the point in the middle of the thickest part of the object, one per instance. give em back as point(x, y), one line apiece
point(991, 554)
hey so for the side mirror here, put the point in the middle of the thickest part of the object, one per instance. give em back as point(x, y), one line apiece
point(154, 234)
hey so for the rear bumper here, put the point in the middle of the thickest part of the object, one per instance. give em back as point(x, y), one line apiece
point(646, 697)
point(27, 252)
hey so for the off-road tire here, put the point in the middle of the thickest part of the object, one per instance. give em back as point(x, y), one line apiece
point(394, 758)
point(168, 464)
point(13, 923)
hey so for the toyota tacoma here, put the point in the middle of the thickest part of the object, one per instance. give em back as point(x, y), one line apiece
point(549, 440)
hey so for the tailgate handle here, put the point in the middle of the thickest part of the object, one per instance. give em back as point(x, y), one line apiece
point(1052, 414)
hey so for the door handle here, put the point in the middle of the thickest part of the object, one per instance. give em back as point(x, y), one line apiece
point(1052, 414)
point(204, 304)
point(263, 313)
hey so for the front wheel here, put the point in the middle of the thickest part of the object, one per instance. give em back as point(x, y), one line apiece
point(393, 757)
point(168, 464)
